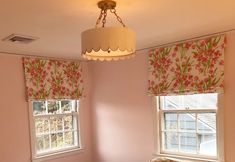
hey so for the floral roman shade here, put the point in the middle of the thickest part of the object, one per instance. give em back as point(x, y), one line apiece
point(52, 79)
point(187, 68)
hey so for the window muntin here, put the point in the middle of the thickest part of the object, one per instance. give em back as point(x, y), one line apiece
point(55, 125)
point(188, 125)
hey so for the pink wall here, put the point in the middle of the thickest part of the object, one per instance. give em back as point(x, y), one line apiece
point(14, 123)
point(229, 106)
point(123, 114)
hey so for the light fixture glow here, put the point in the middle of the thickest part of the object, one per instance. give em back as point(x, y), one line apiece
point(108, 43)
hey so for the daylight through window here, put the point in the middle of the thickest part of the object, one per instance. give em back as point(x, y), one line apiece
point(55, 125)
point(188, 125)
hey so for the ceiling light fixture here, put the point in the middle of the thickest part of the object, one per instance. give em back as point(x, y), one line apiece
point(108, 43)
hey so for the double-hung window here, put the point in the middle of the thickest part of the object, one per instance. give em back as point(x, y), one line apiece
point(189, 126)
point(54, 127)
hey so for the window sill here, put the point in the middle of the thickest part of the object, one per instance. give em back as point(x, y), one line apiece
point(186, 159)
point(57, 155)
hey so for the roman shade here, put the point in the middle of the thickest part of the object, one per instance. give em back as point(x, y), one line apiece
point(52, 79)
point(187, 68)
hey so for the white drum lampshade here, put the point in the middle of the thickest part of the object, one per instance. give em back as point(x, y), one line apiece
point(109, 43)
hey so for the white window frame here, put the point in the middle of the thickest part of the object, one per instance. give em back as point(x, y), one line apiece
point(60, 152)
point(194, 158)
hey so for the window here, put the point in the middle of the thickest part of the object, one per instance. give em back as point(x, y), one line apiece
point(54, 127)
point(189, 126)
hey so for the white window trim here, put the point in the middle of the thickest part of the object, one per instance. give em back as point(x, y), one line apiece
point(59, 153)
point(220, 135)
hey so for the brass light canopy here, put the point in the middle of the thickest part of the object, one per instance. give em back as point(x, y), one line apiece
point(108, 43)
point(106, 4)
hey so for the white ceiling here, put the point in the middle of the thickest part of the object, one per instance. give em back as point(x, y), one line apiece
point(59, 23)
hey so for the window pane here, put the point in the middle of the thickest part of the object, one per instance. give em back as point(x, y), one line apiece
point(171, 141)
point(196, 101)
point(206, 122)
point(40, 143)
point(53, 107)
point(43, 143)
point(46, 142)
point(39, 108)
point(53, 140)
point(188, 143)
point(201, 101)
point(60, 142)
point(171, 102)
point(187, 121)
point(66, 106)
point(57, 140)
point(69, 138)
point(207, 144)
point(46, 126)
point(68, 122)
point(170, 121)
point(41, 125)
point(56, 124)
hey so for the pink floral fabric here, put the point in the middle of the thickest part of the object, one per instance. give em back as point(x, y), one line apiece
point(187, 68)
point(52, 79)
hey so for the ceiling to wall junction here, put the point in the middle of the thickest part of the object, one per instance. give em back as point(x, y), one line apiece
point(58, 23)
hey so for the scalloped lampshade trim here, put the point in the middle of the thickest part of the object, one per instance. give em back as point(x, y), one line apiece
point(108, 43)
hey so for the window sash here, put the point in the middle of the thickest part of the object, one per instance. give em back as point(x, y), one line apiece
point(162, 130)
point(189, 111)
point(161, 100)
point(75, 130)
point(55, 115)
point(179, 132)
point(74, 108)
point(56, 150)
